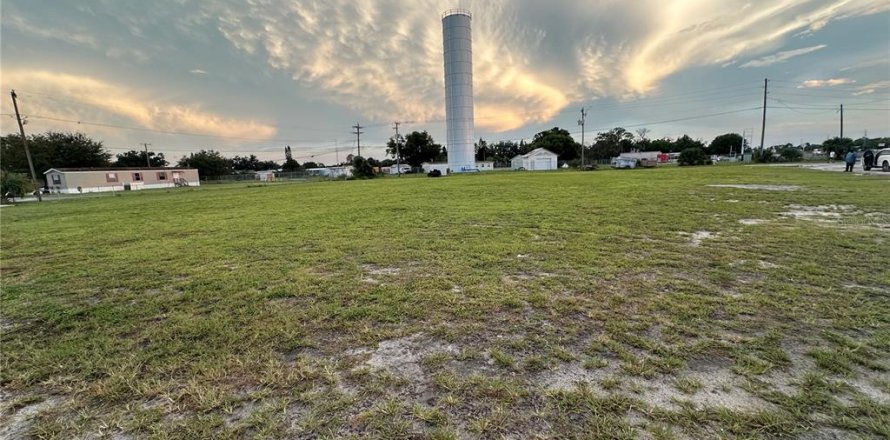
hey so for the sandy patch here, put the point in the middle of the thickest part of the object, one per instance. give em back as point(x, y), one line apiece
point(752, 221)
point(761, 187)
point(381, 271)
point(18, 423)
point(402, 356)
point(696, 238)
point(720, 388)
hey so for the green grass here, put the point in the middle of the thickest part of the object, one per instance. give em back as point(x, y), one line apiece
point(234, 311)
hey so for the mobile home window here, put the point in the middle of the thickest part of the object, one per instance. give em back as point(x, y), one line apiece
point(111, 177)
point(137, 177)
point(57, 179)
point(162, 176)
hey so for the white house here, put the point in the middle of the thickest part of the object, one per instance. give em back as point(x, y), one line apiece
point(536, 160)
point(485, 166)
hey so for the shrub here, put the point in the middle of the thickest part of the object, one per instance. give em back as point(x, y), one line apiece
point(693, 156)
point(15, 184)
point(790, 154)
point(763, 155)
point(362, 169)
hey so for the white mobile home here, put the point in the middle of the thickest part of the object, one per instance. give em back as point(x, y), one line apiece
point(84, 180)
point(536, 160)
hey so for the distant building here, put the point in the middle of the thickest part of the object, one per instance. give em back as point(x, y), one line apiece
point(441, 166)
point(539, 159)
point(84, 180)
point(332, 172)
point(266, 176)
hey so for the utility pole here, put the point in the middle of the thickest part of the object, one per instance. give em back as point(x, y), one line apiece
point(147, 160)
point(581, 123)
point(395, 126)
point(358, 133)
point(842, 121)
point(337, 151)
point(763, 126)
point(18, 117)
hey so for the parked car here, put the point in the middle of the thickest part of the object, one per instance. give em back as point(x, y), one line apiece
point(881, 160)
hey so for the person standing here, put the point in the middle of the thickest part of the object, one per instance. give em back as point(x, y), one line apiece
point(831, 156)
point(851, 160)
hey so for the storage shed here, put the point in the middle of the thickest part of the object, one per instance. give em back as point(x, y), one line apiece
point(539, 159)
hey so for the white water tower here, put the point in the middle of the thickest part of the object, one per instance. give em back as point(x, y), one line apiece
point(459, 119)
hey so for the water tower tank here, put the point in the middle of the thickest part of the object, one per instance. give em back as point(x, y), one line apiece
point(457, 37)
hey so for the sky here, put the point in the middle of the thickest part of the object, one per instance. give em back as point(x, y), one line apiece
point(250, 77)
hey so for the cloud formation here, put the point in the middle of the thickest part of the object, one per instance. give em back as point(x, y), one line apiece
point(819, 83)
point(781, 57)
point(384, 57)
point(53, 94)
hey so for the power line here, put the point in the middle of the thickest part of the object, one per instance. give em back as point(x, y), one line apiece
point(358, 137)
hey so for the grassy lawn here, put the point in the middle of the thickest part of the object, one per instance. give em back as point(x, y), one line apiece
point(634, 304)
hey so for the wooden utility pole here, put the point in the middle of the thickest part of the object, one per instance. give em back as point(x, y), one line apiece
point(842, 121)
point(763, 126)
point(147, 160)
point(18, 117)
point(581, 123)
point(358, 140)
point(395, 126)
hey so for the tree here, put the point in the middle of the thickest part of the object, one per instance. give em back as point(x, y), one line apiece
point(14, 184)
point(134, 158)
point(612, 143)
point(52, 150)
point(789, 153)
point(290, 165)
point(663, 145)
point(209, 163)
point(839, 145)
point(693, 156)
point(726, 143)
point(685, 142)
point(246, 163)
point(309, 165)
point(417, 148)
point(483, 152)
point(362, 169)
point(557, 140)
point(503, 152)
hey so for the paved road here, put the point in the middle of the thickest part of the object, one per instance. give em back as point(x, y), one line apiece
point(839, 167)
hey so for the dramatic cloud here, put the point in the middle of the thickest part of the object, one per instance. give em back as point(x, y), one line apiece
point(385, 57)
point(819, 83)
point(51, 95)
point(781, 56)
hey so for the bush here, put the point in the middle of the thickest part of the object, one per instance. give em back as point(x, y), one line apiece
point(763, 155)
point(790, 154)
point(15, 184)
point(362, 169)
point(693, 156)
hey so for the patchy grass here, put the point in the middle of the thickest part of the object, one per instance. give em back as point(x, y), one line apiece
point(563, 305)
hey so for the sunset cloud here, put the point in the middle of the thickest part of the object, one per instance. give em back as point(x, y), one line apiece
point(63, 96)
point(819, 83)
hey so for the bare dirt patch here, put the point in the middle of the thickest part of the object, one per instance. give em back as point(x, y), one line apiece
point(761, 187)
point(821, 213)
point(403, 356)
point(697, 237)
point(752, 221)
point(17, 424)
point(381, 271)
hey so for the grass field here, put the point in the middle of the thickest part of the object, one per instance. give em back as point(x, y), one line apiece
point(636, 304)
